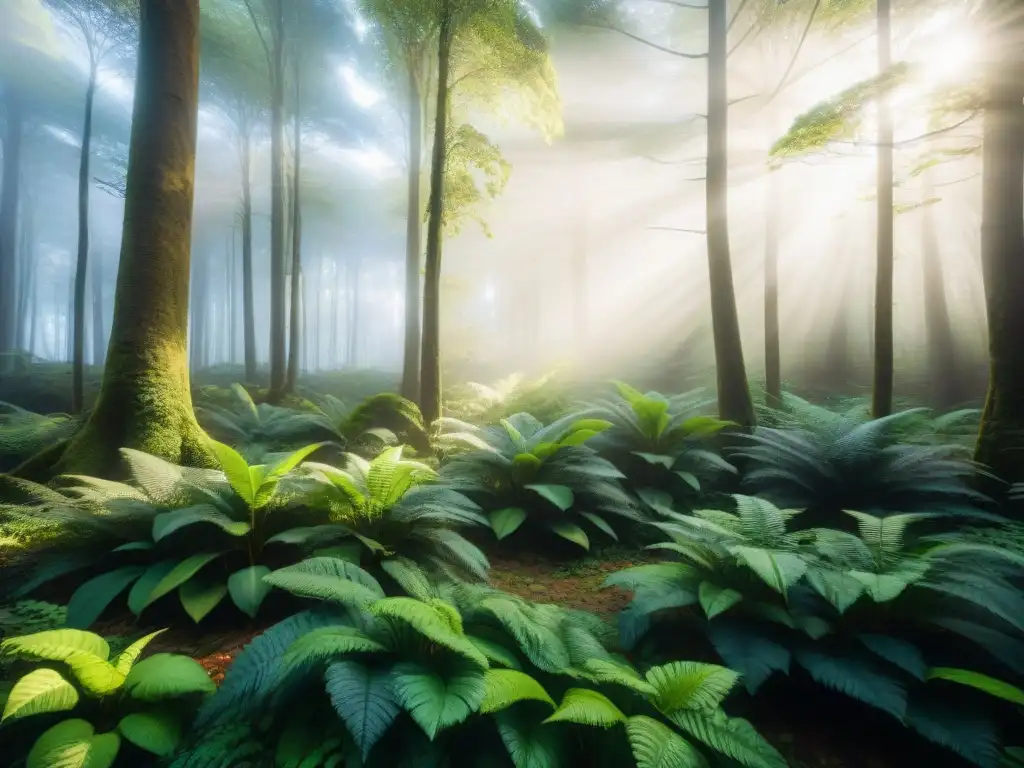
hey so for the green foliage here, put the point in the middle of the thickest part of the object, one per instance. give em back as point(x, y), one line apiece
point(203, 534)
point(146, 704)
point(661, 443)
point(544, 478)
point(545, 398)
point(859, 613)
point(24, 433)
point(835, 461)
point(464, 663)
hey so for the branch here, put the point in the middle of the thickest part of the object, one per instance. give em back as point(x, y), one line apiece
point(743, 39)
point(743, 4)
point(681, 4)
point(939, 131)
point(256, 26)
point(796, 53)
point(841, 52)
point(677, 229)
point(639, 39)
point(957, 181)
point(659, 161)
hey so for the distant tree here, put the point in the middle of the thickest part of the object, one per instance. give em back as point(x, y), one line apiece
point(105, 27)
point(145, 400)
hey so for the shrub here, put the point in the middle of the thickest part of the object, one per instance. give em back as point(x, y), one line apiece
point(537, 478)
point(147, 704)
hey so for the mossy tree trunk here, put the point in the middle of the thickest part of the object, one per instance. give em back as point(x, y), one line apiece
point(881, 392)
point(734, 401)
point(430, 365)
point(278, 226)
point(9, 198)
point(1001, 439)
point(144, 401)
point(411, 359)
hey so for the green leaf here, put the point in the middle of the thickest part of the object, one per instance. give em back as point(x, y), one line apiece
point(167, 523)
point(690, 479)
point(248, 590)
point(495, 653)
point(304, 534)
point(74, 744)
point(97, 677)
point(134, 546)
point(690, 685)
point(178, 575)
point(779, 570)
point(430, 623)
point(733, 737)
point(506, 521)
point(139, 593)
point(158, 733)
point(656, 459)
point(896, 651)
point(434, 701)
point(504, 687)
point(570, 531)
point(42, 690)
point(327, 578)
point(884, 587)
point(655, 745)
point(600, 523)
point(327, 643)
point(127, 658)
point(559, 495)
point(200, 595)
point(989, 685)
point(167, 676)
point(530, 744)
point(236, 469)
point(90, 600)
point(586, 707)
point(362, 698)
point(715, 600)
point(704, 426)
point(56, 645)
point(293, 460)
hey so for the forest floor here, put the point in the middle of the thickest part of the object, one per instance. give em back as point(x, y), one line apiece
point(809, 739)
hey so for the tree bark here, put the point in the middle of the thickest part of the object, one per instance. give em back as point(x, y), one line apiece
point(248, 302)
point(772, 351)
point(82, 262)
point(734, 401)
point(943, 369)
point(295, 325)
point(430, 365)
point(411, 361)
point(9, 199)
point(144, 401)
point(1001, 438)
point(99, 336)
point(278, 225)
point(26, 272)
point(881, 395)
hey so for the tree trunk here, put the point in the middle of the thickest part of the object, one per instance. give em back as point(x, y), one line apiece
point(82, 262)
point(248, 302)
point(1001, 439)
point(881, 396)
point(353, 277)
point(580, 287)
point(430, 366)
point(772, 351)
point(229, 298)
point(943, 370)
point(144, 401)
point(278, 225)
point(318, 311)
point(411, 361)
point(9, 198)
point(99, 336)
point(295, 325)
point(26, 268)
point(734, 402)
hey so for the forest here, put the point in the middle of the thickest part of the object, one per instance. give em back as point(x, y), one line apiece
point(511, 383)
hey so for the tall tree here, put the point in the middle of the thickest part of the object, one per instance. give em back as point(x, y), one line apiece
point(145, 401)
point(105, 27)
point(1001, 439)
point(294, 324)
point(9, 197)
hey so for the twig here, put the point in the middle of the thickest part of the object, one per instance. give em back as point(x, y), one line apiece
point(678, 229)
point(796, 53)
point(639, 39)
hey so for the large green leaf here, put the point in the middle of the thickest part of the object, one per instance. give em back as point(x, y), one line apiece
point(248, 590)
point(429, 622)
point(328, 643)
point(167, 523)
point(507, 686)
point(90, 600)
point(779, 570)
point(655, 745)
point(158, 733)
point(236, 469)
point(97, 677)
point(530, 743)
point(733, 737)
point(56, 645)
point(362, 697)
point(989, 685)
point(138, 596)
point(600, 523)
point(434, 701)
point(179, 574)
point(656, 459)
point(587, 707)
point(74, 744)
point(327, 578)
point(167, 676)
point(42, 690)
point(559, 495)
point(690, 685)
point(506, 521)
point(570, 532)
point(715, 599)
point(125, 660)
point(200, 595)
